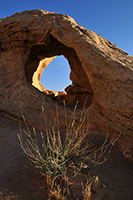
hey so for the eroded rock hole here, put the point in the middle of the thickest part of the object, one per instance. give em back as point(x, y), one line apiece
point(55, 76)
point(42, 55)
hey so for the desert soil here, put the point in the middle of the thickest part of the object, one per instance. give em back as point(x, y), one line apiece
point(20, 181)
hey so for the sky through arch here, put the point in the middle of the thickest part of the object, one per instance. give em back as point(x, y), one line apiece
point(56, 75)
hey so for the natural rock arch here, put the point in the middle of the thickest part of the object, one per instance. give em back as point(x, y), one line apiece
point(98, 68)
point(39, 58)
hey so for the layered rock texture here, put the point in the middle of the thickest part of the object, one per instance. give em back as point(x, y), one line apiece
point(100, 71)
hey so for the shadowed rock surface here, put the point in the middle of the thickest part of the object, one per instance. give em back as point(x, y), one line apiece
point(19, 180)
point(99, 70)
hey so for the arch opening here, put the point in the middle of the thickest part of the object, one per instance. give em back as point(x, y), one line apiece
point(56, 76)
point(42, 55)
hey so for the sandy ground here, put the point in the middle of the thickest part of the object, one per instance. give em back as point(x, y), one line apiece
point(20, 181)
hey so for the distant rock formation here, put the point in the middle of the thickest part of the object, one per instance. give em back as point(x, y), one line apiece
point(99, 70)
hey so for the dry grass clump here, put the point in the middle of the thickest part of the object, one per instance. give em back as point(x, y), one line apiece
point(56, 157)
point(91, 185)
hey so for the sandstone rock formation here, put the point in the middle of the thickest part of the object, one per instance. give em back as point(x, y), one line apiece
point(99, 70)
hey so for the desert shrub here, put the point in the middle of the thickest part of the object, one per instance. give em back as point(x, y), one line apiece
point(60, 156)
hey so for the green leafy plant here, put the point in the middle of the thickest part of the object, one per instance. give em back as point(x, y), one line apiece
point(64, 152)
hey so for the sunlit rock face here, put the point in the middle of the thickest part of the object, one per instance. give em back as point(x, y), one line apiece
point(100, 71)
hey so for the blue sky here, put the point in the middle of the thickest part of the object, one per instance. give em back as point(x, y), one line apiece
point(112, 19)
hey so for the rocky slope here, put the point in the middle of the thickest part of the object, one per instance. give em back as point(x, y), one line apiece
point(19, 180)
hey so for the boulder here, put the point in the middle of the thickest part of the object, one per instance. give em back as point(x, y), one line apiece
point(100, 71)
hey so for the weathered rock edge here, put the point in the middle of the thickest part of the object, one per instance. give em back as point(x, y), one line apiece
point(98, 68)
